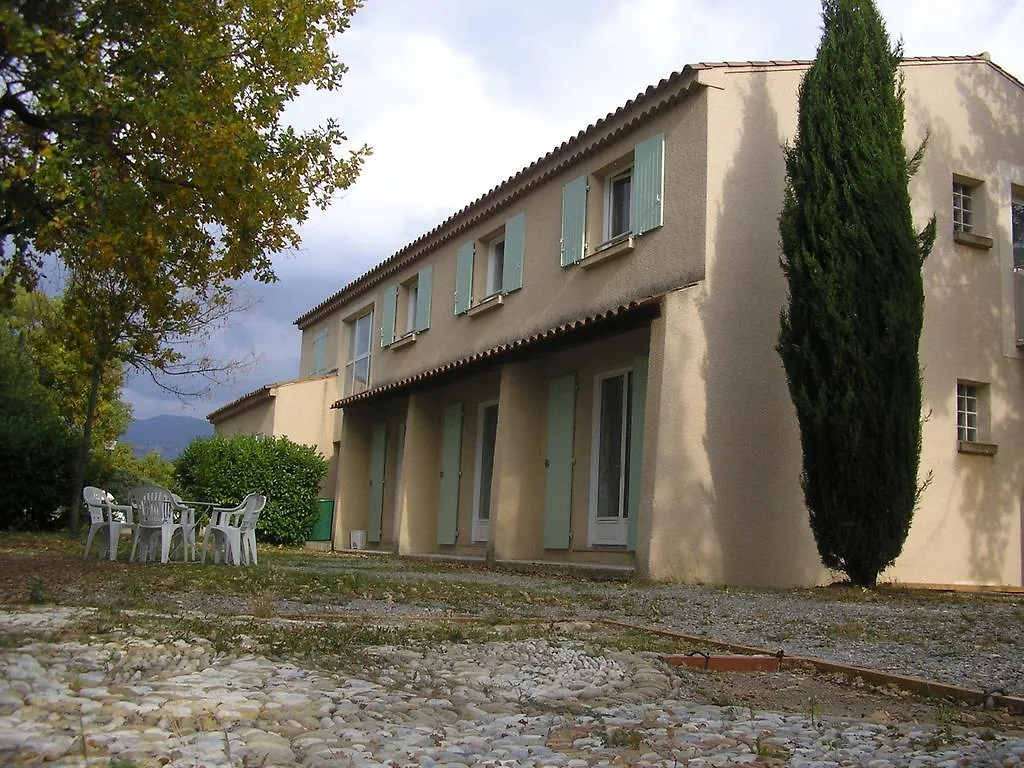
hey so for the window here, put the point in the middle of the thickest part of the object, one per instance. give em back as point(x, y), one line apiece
point(411, 290)
point(406, 309)
point(357, 366)
point(504, 249)
point(495, 265)
point(616, 204)
point(319, 353)
point(609, 471)
point(972, 418)
point(1017, 229)
point(967, 412)
point(629, 200)
point(963, 207)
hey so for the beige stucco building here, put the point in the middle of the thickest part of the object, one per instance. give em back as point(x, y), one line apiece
point(580, 366)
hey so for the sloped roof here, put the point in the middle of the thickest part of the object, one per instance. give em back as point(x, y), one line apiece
point(638, 310)
point(641, 107)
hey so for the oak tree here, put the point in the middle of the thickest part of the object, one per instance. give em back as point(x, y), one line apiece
point(145, 146)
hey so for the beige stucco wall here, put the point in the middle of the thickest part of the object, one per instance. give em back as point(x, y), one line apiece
point(721, 500)
point(664, 258)
point(254, 420)
point(968, 526)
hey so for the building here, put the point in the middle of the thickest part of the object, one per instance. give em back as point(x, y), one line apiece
point(579, 366)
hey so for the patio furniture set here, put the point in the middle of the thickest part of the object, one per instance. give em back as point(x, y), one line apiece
point(163, 525)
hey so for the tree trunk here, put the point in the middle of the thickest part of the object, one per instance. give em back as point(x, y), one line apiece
point(82, 459)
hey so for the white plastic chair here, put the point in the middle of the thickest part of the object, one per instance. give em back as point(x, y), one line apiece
point(155, 508)
point(104, 513)
point(233, 531)
point(186, 517)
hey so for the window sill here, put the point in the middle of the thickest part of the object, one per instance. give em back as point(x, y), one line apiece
point(610, 250)
point(972, 240)
point(404, 341)
point(491, 302)
point(982, 449)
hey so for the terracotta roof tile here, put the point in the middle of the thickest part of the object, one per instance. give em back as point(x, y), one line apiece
point(501, 350)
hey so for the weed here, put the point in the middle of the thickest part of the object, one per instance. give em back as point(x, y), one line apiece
point(37, 592)
point(622, 738)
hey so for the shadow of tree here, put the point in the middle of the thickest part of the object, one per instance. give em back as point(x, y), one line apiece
point(972, 114)
point(752, 439)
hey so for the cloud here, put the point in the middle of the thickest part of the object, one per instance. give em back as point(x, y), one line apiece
point(456, 96)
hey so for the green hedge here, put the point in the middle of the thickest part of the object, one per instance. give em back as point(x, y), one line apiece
point(224, 469)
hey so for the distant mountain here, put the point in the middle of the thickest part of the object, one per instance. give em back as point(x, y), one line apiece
point(167, 435)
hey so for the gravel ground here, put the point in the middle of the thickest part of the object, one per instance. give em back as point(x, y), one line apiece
point(972, 640)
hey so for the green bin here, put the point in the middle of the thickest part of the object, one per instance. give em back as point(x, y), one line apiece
point(325, 522)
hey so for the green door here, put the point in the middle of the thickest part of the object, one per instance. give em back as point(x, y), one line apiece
point(636, 444)
point(558, 463)
point(451, 461)
point(378, 453)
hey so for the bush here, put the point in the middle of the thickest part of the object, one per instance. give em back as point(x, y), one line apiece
point(225, 469)
point(36, 447)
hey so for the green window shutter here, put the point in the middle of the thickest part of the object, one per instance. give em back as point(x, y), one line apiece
point(320, 352)
point(636, 445)
point(574, 220)
point(558, 464)
point(424, 285)
point(387, 322)
point(515, 241)
point(451, 461)
point(647, 190)
point(464, 278)
point(378, 453)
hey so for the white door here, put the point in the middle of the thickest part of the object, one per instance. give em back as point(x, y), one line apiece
point(609, 465)
point(486, 432)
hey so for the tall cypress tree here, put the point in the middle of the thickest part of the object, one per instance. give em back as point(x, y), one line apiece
point(849, 335)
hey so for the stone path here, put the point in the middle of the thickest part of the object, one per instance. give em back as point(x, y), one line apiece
point(523, 703)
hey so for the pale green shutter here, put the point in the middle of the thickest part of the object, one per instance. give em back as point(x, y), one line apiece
point(378, 453)
point(515, 242)
point(558, 464)
point(646, 194)
point(574, 220)
point(451, 460)
point(387, 322)
point(636, 445)
point(464, 278)
point(423, 288)
point(320, 352)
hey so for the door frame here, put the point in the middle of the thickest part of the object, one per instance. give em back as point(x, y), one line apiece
point(480, 527)
point(609, 531)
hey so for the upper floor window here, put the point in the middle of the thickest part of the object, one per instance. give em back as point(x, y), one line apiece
point(616, 204)
point(963, 207)
point(495, 265)
point(629, 201)
point(969, 220)
point(502, 273)
point(319, 353)
point(406, 308)
point(357, 366)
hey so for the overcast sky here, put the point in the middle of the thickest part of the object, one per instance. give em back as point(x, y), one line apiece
point(455, 96)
